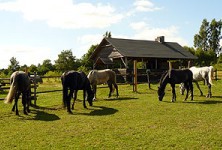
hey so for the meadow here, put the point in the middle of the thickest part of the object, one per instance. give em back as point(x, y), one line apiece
point(135, 120)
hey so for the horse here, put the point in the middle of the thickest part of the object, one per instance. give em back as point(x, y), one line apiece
point(201, 74)
point(103, 76)
point(20, 84)
point(73, 81)
point(175, 76)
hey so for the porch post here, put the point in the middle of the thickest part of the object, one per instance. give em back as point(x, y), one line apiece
point(135, 76)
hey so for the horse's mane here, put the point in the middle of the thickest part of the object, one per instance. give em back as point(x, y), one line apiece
point(163, 76)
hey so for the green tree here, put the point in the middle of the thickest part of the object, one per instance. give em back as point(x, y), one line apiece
point(33, 68)
point(45, 67)
point(14, 65)
point(209, 36)
point(66, 61)
point(107, 34)
point(215, 35)
point(85, 60)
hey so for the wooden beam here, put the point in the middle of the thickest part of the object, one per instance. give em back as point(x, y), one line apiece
point(135, 75)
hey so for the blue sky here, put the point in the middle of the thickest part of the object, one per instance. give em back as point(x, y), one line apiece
point(35, 30)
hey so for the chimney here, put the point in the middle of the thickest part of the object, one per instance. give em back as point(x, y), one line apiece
point(160, 39)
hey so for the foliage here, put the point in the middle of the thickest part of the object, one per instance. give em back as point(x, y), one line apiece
point(53, 73)
point(45, 67)
point(136, 120)
point(66, 61)
point(209, 36)
point(85, 60)
point(205, 58)
point(107, 34)
point(14, 65)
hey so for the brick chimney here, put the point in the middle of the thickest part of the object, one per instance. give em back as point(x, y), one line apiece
point(160, 39)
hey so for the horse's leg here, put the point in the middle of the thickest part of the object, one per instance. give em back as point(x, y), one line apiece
point(94, 86)
point(28, 100)
point(173, 93)
point(68, 100)
point(186, 85)
point(182, 88)
point(209, 89)
point(110, 88)
point(84, 99)
point(15, 107)
point(74, 98)
point(116, 87)
point(191, 89)
point(24, 98)
point(201, 93)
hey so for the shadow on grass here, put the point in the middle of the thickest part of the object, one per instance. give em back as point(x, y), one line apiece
point(44, 116)
point(120, 98)
point(210, 101)
point(102, 111)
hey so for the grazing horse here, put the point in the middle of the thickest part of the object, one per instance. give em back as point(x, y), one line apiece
point(103, 76)
point(73, 81)
point(20, 84)
point(175, 77)
point(201, 74)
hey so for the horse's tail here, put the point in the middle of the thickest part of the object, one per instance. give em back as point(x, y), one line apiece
point(210, 74)
point(11, 93)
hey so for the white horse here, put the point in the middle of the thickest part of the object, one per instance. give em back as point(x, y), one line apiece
point(103, 76)
point(201, 74)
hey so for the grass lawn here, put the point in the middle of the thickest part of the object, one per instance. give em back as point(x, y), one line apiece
point(133, 121)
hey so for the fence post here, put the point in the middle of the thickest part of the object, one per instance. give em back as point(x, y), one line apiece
point(148, 77)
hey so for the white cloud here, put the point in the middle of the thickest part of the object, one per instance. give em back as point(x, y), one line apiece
point(65, 13)
point(23, 54)
point(144, 31)
point(85, 42)
point(145, 6)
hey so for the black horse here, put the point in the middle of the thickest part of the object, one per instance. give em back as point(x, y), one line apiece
point(20, 84)
point(73, 81)
point(176, 77)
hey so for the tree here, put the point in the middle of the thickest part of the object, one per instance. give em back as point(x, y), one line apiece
point(33, 68)
point(65, 61)
point(107, 34)
point(45, 67)
point(14, 66)
point(85, 60)
point(209, 36)
point(215, 35)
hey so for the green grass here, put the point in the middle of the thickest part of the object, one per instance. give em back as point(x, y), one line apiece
point(133, 121)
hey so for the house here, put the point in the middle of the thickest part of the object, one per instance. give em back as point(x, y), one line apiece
point(155, 54)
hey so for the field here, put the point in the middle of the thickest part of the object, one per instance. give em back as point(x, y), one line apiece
point(133, 121)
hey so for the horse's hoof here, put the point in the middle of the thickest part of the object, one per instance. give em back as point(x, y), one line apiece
point(70, 112)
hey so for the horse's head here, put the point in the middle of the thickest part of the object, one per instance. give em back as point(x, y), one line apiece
point(90, 98)
point(160, 93)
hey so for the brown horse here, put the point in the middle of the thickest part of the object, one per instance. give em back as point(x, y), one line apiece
point(103, 76)
point(20, 84)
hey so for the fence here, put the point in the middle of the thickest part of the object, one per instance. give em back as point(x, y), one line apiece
point(125, 76)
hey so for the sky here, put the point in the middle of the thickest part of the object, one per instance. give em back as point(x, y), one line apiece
point(35, 30)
